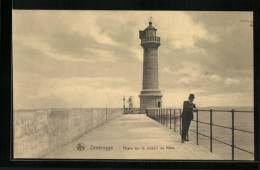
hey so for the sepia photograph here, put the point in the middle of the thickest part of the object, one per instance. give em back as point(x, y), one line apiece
point(133, 85)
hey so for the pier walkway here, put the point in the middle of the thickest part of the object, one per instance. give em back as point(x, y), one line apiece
point(132, 136)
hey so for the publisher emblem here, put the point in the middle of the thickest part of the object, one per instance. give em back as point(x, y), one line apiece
point(80, 146)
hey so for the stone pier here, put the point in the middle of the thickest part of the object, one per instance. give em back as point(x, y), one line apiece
point(133, 136)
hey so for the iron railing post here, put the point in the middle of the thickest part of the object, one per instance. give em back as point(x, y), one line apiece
point(233, 142)
point(159, 120)
point(163, 116)
point(180, 121)
point(210, 130)
point(166, 117)
point(170, 118)
point(174, 120)
point(106, 114)
point(165, 120)
point(157, 115)
point(160, 115)
point(197, 127)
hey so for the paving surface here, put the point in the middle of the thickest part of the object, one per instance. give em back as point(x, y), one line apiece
point(133, 136)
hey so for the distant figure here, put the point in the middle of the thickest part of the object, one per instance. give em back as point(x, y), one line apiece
point(187, 116)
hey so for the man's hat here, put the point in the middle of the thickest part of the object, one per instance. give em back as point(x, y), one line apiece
point(191, 96)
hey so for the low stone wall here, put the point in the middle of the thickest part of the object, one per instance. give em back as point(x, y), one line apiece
point(39, 132)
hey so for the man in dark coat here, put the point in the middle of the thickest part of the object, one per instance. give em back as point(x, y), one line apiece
point(187, 116)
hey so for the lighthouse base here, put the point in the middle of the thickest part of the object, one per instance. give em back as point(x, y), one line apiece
point(150, 99)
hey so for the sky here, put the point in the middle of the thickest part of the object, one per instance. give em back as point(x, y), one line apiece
point(92, 59)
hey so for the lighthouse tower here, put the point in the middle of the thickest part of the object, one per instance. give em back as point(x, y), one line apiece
point(150, 96)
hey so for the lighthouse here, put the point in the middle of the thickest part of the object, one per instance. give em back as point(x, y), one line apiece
point(150, 96)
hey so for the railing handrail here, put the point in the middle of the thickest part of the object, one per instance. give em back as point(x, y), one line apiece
point(216, 110)
point(163, 115)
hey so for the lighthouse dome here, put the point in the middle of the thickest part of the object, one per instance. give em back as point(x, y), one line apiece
point(150, 27)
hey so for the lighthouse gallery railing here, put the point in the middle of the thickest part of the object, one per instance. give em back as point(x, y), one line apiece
point(150, 39)
point(172, 118)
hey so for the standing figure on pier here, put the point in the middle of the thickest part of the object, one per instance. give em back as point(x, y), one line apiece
point(187, 116)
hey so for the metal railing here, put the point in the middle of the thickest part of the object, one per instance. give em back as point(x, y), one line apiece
point(166, 116)
point(172, 116)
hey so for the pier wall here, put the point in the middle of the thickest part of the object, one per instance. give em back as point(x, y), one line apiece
point(39, 132)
